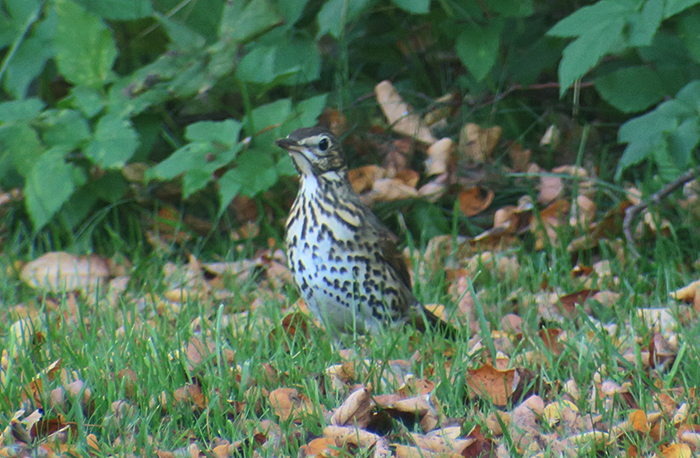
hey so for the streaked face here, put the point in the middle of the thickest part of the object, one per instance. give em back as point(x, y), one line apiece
point(315, 150)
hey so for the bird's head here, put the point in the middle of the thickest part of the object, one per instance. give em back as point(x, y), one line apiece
point(315, 151)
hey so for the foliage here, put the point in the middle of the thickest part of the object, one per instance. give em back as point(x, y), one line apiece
point(198, 90)
point(655, 50)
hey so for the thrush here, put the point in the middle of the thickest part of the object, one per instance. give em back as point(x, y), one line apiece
point(345, 263)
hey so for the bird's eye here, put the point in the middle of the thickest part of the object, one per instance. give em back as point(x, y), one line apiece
point(323, 144)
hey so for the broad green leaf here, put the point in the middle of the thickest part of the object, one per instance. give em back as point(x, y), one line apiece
point(305, 114)
point(336, 14)
point(674, 7)
point(291, 10)
point(88, 99)
point(182, 37)
point(682, 142)
point(31, 56)
point(18, 110)
point(690, 96)
point(413, 6)
point(224, 132)
point(14, 18)
point(190, 156)
point(631, 89)
point(242, 23)
point(588, 19)
point(49, 185)
point(255, 172)
point(63, 127)
point(84, 46)
point(272, 114)
point(118, 10)
point(258, 66)
point(645, 24)
point(114, 142)
point(477, 47)
point(585, 52)
point(20, 147)
point(299, 58)
point(689, 31)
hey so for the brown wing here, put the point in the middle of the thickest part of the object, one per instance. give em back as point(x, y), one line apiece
point(388, 244)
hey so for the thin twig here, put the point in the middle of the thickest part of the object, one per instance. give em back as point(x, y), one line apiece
point(632, 212)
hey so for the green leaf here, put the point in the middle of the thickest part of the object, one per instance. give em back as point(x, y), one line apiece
point(189, 157)
point(688, 27)
point(14, 18)
point(223, 132)
point(305, 114)
point(255, 172)
point(413, 6)
point(674, 7)
point(89, 100)
point(118, 10)
point(682, 142)
point(300, 59)
point(31, 56)
point(63, 127)
point(585, 52)
point(590, 18)
point(258, 66)
point(272, 114)
point(336, 14)
point(645, 24)
point(85, 48)
point(242, 23)
point(114, 143)
point(20, 147)
point(631, 89)
point(49, 185)
point(182, 37)
point(18, 110)
point(477, 47)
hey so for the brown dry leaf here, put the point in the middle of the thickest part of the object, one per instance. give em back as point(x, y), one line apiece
point(638, 421)
point(440, 157)
point(356, 410)
point(550, 339)
point(434, 189)
point(362, 179)
point(390, 189)
point(400, 114)
point(583, 213)
point(569, 302)
point(676, 451)
point(552, 217)
point(335, 120)
point(296, 322)
point(408, 177)
point(167, 227)
point(321, 447)
point(491, 383)
point(60, 272)
point(551, 137)
point(687, 293)
point(519, 157)
point(477, 143)
point(610, 226)
point(551, 189)
point(288, 403)
point(190, 394)
point(475, 200)
point(461, 294)
point(344, 435)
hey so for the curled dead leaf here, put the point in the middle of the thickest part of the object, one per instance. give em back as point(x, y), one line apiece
point(477, 143)
point(400, 114)
point(475, 200)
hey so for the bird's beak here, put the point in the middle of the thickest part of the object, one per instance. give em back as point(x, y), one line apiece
point(288, 144)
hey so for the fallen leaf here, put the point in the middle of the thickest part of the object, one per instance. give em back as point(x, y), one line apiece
point(477, 143)
point(491, 383)
point(400, 114)
point(61, 272)
point(475, 200)
point(439, 157)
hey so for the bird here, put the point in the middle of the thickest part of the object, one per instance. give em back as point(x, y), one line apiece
point(344, 261)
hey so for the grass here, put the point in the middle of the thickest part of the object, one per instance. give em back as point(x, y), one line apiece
point(133, 358)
